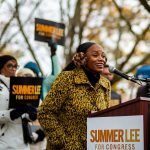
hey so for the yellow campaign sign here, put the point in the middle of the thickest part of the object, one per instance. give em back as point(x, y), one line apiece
point(50, 29)
point(25, 90)
point(46, 31)
point(115, 133)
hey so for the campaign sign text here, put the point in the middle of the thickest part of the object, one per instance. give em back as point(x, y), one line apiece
point(115, 133)
point(46, 31)
point(25, 90)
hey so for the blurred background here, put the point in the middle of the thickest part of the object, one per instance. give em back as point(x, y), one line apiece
point(122, 27)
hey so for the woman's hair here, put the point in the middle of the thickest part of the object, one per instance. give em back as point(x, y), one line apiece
point(81, 48)
point(84, 47)
point(4, 59)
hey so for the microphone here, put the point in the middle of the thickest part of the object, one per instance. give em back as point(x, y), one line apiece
point(121, 74)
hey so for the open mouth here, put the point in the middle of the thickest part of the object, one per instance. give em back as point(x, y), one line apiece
point(100, 65)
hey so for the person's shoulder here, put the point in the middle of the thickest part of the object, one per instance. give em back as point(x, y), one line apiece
point(63, 80)
point(65, 76)
point(105, 82)
point(104, 79)
point(4, 81)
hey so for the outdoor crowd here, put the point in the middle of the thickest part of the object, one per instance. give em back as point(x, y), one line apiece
point(67, 97)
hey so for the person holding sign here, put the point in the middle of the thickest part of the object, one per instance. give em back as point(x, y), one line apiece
point(11, 127)
point(37, 134)
point(52, 33)
point(78, 90)
point(47, 81)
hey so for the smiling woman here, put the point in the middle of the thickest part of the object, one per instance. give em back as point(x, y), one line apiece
point(11, 120)
point(96, 59)
point(78, 90)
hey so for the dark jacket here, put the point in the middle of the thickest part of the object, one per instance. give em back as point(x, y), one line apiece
point(144, 91)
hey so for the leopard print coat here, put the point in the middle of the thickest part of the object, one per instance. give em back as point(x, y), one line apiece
point(63, 113)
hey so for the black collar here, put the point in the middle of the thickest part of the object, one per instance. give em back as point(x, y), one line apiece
point(92, 78)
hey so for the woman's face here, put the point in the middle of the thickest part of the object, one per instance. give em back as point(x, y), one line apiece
point(95, 59)
point(9, 69)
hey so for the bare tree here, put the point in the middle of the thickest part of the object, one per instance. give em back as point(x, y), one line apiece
point(115, 26)
point(111, 23)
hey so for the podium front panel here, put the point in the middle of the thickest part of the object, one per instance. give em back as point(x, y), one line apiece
point(139, 106)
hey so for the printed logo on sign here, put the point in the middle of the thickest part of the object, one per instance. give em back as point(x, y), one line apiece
point(25, 91)
point(46, 31)
point(114, 133)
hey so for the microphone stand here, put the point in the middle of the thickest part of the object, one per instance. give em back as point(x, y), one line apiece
point(147, 81)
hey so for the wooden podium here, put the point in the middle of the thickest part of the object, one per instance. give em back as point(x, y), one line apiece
point(139, 106)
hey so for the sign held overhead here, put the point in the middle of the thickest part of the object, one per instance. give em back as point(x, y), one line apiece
point(46, 31)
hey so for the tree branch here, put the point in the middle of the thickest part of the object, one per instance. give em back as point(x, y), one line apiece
point(71, 29)
point(6, 26)
point(122, 17)
point(145, 4)
point(83, 24)
point(139, 38)
point(23, 24)
point(25, 37)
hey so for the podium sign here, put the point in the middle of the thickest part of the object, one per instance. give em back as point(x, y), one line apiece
point(115, 133)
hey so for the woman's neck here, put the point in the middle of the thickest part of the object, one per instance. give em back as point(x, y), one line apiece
point(91, 72)
point(93, 78)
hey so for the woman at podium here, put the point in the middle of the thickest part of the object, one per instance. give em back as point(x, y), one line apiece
point(77, 90)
